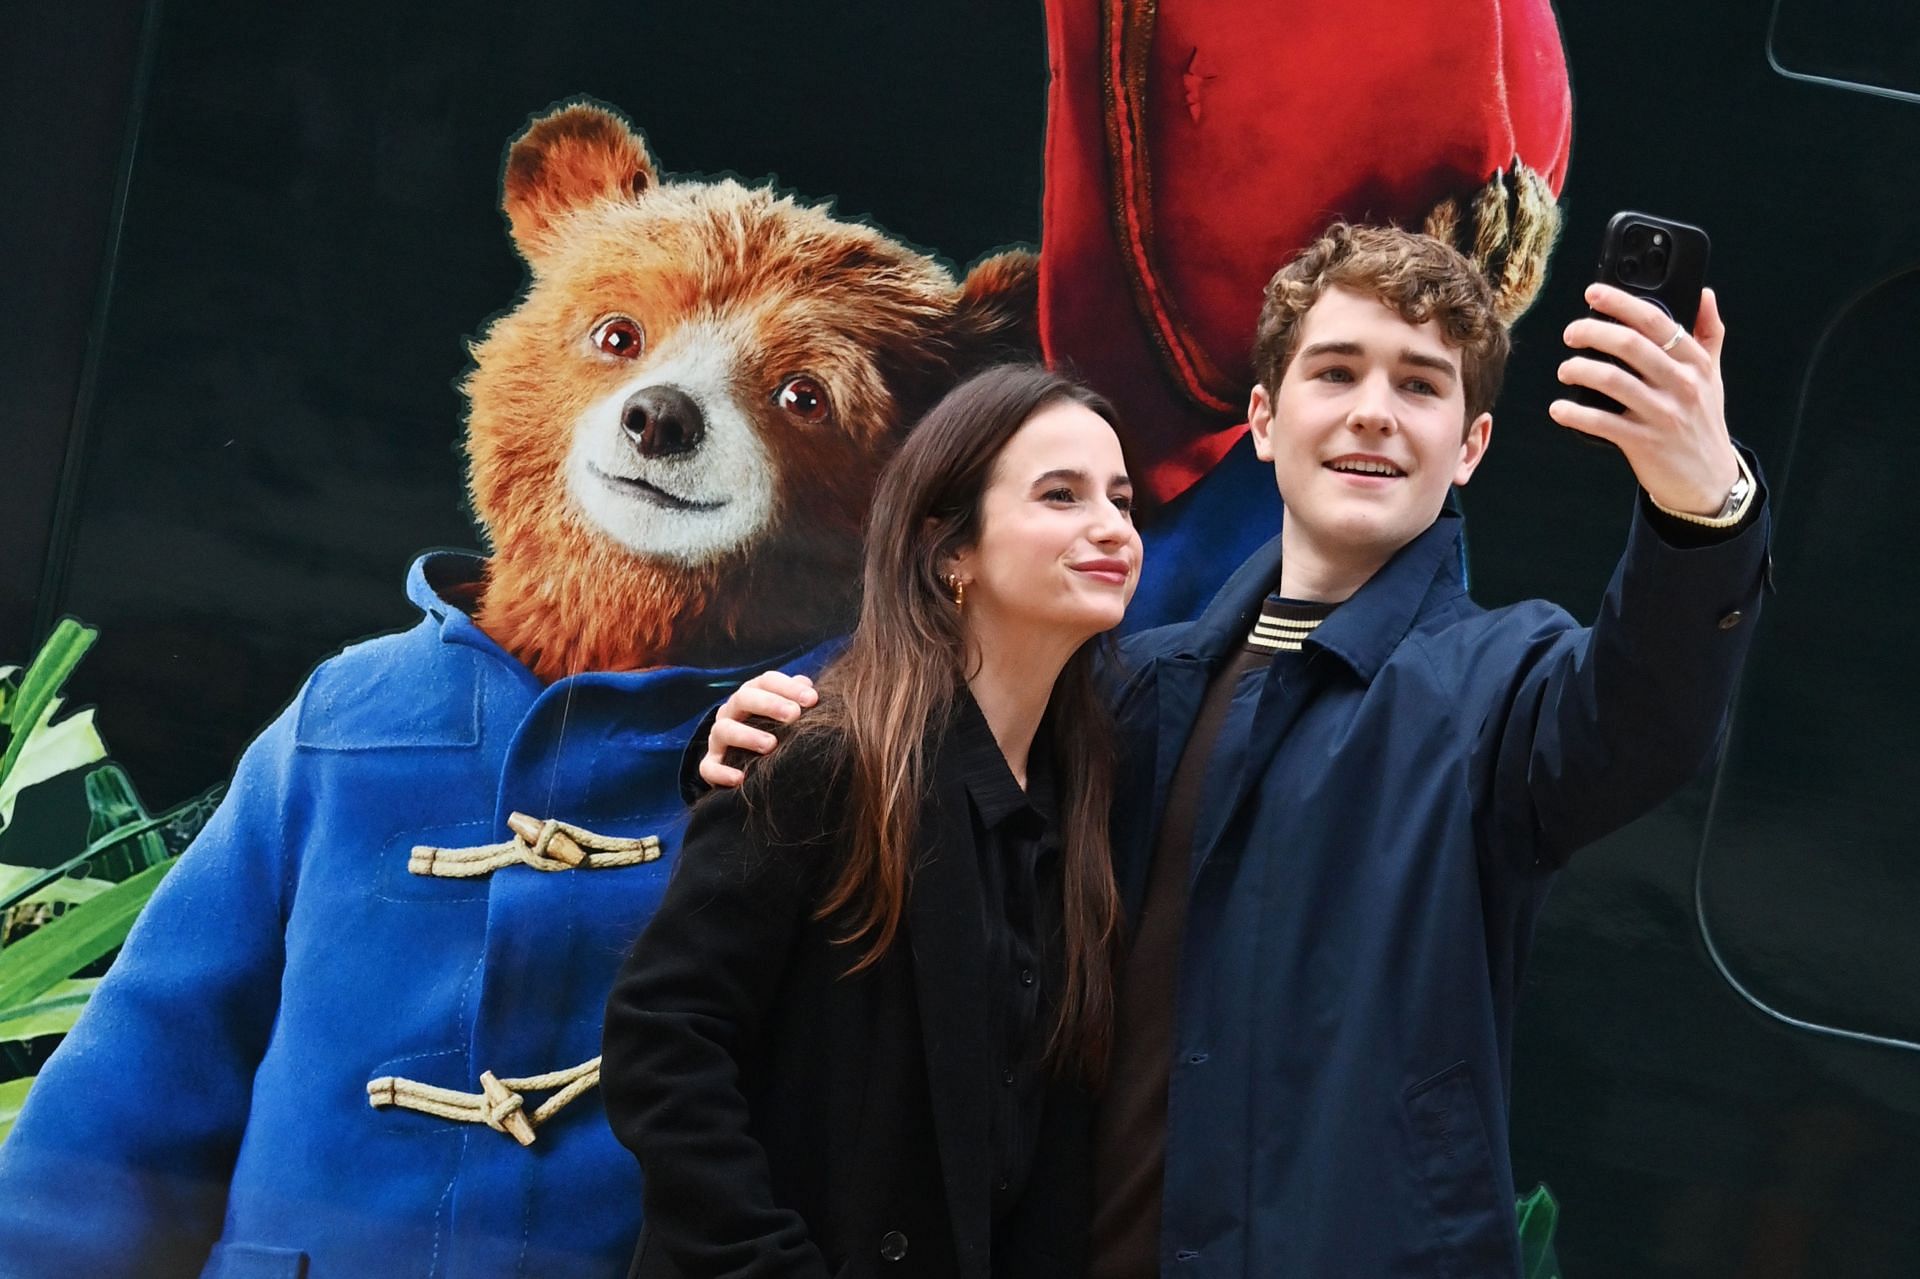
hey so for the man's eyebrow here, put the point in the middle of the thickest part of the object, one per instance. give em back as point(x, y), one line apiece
point(1421, 360)
point(1330, 348)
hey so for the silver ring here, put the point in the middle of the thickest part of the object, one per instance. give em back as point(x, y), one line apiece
point(1673, 341)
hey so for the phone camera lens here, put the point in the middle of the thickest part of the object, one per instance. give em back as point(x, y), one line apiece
point(1630, 270)
point(1657, 263)
point(1636, 237)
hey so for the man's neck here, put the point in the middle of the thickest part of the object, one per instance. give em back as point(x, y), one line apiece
point(1309, 572)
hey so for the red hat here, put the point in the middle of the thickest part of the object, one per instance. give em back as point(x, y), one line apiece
point(1193, 146)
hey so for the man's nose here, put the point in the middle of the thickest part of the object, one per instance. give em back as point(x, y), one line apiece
point(1372, 406)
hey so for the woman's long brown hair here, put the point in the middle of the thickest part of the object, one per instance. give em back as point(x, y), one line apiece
point(905, 662)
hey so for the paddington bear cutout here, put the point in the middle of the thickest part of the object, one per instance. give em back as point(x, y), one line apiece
point(352, 1033)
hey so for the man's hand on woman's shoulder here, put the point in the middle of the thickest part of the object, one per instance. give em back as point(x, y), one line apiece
point(769, 695)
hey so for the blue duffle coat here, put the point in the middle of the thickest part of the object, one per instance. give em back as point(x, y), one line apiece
point(1363, 899)
point(210, 1113)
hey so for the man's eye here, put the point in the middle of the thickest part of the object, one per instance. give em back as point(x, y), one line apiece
point(1334, 374)
point(1420, 386)
point(619, 336)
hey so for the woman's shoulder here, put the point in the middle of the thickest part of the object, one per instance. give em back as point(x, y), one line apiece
point(799, 793)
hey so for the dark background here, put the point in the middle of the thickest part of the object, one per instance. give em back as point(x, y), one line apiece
point(242, 246)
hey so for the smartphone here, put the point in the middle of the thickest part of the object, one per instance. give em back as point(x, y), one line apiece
point(1658, 259)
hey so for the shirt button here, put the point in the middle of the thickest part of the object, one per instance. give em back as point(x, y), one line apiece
point(893, 1246)
point(1006, 1077)
point(1001, 1185)
point(1026, 976)
point(1732, 620)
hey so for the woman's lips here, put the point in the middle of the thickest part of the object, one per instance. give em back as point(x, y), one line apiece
point(1112, 572)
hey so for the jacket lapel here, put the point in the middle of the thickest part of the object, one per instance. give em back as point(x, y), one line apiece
point(947, 926)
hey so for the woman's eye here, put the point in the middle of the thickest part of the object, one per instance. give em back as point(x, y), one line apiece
point(1124, 505)
point(619, 336)
point(804, 398)
point(1058, 495)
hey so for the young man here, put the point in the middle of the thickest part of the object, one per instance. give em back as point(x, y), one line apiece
point(1349, 785)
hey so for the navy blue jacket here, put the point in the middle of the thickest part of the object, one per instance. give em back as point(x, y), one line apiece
point(1361, 910)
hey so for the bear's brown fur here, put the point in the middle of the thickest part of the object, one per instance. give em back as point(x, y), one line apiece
point(673, 437)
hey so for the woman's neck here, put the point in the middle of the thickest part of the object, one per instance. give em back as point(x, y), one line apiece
point(1013, 684)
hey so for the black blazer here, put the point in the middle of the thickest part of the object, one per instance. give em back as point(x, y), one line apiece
point(793, 1121)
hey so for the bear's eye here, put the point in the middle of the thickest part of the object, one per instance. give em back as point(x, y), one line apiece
point(804, 398)
point(619, 336)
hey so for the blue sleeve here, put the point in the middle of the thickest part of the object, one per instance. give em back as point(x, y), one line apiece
point(1599, 725)
point(120, 1161)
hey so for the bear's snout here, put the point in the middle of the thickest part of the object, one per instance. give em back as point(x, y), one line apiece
point(663, 421)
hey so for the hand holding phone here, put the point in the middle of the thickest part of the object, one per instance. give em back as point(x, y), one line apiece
point(1659, 260)
point(1646, 375)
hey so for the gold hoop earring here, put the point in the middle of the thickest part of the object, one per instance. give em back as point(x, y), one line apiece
point(959, 590)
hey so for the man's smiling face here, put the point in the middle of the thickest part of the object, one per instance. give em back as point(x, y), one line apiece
point(1365, 434)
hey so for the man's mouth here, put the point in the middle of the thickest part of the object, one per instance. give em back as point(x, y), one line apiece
point(1359, 464)
point(653, 492)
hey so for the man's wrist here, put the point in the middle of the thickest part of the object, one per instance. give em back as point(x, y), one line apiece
point(1734, 509)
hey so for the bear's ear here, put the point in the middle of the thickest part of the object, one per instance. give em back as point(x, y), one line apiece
point(997, 316)
point(566, 160)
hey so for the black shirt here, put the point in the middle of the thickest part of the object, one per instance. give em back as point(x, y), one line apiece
point(1014, 831)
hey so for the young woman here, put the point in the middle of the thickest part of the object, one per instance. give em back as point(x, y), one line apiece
point(855, 1039)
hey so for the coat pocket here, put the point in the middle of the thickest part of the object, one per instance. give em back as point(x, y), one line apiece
point(1473, 1232)
point(254, 1261)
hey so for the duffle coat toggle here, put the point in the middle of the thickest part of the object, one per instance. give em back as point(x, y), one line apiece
point(547, 846)
point(500, 1104)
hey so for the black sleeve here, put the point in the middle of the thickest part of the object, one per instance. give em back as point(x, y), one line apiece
point(692, 998)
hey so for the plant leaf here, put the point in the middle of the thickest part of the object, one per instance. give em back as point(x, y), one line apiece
point(13, 1095)
point(48, 750)
point(68, 891)
point(55, 661)
point(31, 966)
point(51, 1014)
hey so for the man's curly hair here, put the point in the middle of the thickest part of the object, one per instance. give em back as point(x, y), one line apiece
point(1419, 277)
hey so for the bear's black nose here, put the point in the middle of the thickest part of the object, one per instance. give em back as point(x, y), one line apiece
point(663, 421)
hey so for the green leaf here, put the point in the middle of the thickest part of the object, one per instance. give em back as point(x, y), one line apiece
point(117, 809)
point(30, 706)
point(14, 878)
point(51, 1014)
point(31, 966)
point(1538, 1213)
point(68, 891)
point(47, 750)
point(13, 1095)
point(12, 890)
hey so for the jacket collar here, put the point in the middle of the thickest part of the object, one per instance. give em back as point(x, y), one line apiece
point(445, 585)
point(1363, 631)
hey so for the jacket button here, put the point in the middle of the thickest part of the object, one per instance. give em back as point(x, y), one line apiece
point(893, 1246)
point(1732, 620)
point(1026, 976)
point(1006, 1077)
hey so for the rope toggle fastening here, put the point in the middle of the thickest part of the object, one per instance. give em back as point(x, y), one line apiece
point(545, 846)
point(499, 1104)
